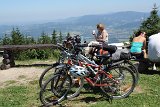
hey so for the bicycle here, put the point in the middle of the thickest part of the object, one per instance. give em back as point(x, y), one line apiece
point(124, 59)
point(90, 65)
point(111, 82)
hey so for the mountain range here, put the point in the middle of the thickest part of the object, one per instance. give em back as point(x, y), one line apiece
point(120, 25)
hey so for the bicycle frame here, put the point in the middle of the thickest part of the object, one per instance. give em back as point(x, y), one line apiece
point(84, 61)
point(89, 64)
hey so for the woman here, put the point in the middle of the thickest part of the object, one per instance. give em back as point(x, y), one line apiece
point(102, 35)
point(138, 46)
point(101, 38)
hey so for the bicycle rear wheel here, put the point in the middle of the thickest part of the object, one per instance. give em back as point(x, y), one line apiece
point(50, 95)
point(121, 82)
point(133, 68)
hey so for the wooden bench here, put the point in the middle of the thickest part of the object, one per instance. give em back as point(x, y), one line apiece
point(8, 56)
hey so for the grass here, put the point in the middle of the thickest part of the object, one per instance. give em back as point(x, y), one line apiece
point(146, 94)
point(20, 96)
point(149, 96)
point(10, 82)
point(28, 96)
point(36, 61)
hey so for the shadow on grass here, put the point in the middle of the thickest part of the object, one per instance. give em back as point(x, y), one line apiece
point(146, 68)
point(57, 105)
point(34, 65)
point(150, 72)
point(95, 99)
point(95, 91)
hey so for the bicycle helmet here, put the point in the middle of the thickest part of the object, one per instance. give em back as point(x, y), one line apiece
point(78, 71)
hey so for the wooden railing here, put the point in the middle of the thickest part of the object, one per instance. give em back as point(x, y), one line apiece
point(8, 56)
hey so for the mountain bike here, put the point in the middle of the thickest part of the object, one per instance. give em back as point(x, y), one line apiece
point(110, 86)
point(124, 60)
point(110, 78)
point(105, 76)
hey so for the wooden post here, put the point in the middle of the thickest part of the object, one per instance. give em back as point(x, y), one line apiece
point(11, 58)
point(6, 60)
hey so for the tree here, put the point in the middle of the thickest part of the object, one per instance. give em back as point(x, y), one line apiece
point(6, 40)
point(29, 40)
point(152, 24)
point(60, 37)
point(17, 37)
point(54, 36)
point(68, 35)
point(44, 38)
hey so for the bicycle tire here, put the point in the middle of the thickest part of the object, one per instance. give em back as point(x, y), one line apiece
point(113, 90)
point(134, 69)
point(49, 99)
point(41, 78)
point(75, 89)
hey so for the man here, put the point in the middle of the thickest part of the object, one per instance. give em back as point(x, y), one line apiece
point(154, 48)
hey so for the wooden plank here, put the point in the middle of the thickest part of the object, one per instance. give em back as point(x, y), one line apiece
point(8, 49)
point(25, 47)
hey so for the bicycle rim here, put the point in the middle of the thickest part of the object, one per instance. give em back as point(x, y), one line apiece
point(133, 68)
point(47, 73)
point(121, 84)
point(47, 93)
point(77, 85)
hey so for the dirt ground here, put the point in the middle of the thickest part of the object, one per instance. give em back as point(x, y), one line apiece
point(19, 74)
point(23, 75)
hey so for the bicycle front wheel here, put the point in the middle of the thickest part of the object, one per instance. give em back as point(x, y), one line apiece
point(55, 89)
point(47, 73)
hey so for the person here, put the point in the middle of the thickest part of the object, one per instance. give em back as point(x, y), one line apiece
point(138, 46)
point(154, 48)
point(101, 37)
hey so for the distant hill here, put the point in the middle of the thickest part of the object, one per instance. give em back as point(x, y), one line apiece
point(120, 25)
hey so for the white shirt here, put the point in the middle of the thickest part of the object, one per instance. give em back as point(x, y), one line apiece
point(154, 48)
point(103, 33)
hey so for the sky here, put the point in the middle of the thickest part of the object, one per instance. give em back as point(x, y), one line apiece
point(36, 11)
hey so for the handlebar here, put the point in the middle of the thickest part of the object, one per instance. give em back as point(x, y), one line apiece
point(82, 45)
